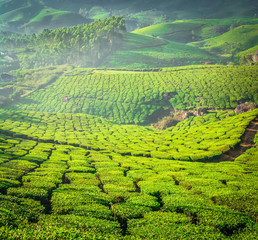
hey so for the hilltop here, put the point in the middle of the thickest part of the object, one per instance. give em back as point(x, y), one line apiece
point(139, 51)
point(186, 31)
point(228, 39)
point(32, 16)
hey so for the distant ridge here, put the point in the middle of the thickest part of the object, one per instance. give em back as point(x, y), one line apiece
point(32, 16)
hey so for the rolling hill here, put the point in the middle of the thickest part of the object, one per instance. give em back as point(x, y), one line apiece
point(232, 39)
point(33, 16)
point(107, 134)
point(138, 51)
point(232, 42)
point(186, 31)
point(144, 96)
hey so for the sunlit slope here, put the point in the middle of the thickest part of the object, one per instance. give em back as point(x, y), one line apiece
point(52, 18)
point(50, 189)
point(195, 139)
point(232, 42)
point(138, 14)
point(246, 56)
point(19, 12)
point(34, 16)
point(229, 38)
point(143, 96)
point(139, 51)
point(191, 30)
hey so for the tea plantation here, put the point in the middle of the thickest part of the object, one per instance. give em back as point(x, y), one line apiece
point(194, 139)
point(76, 176)
point(74, 164)
point(112, 134)
point(139, 96)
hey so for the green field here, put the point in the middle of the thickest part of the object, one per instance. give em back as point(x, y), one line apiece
point(78, 176)
point(138, 51)
point(193, 137)
point(111, 134)
point(237, 40)
point(134, 96)
point(74, 175)
point(190, 30)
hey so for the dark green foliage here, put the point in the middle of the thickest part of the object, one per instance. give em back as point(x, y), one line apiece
point(14, 210)
point(83, 44)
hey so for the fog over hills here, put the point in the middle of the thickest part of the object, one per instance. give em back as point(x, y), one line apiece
point(30, 16)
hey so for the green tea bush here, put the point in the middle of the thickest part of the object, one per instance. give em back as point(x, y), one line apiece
point(133, 97)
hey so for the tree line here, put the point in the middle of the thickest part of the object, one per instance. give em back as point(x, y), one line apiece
point(85, 44)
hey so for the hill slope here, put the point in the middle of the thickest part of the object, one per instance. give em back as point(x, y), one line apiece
point(149, 179)
point(15, 15)
point(33, 16)
point(229, 38)
point(232, 42)
point(138, 51)
point(192, 30)
point(145, 96)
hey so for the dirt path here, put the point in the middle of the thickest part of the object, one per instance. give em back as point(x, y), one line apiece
point(247, 141)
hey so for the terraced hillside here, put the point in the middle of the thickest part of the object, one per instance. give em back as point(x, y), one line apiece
point(106, 134)
point(144, 96)
point(73, 175)
point(78, 176)
point(191, 139)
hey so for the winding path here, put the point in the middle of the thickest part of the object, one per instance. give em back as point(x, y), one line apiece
point(247, 141)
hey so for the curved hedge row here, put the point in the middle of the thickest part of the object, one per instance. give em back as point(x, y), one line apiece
point(132, 97)
point(195, 139)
